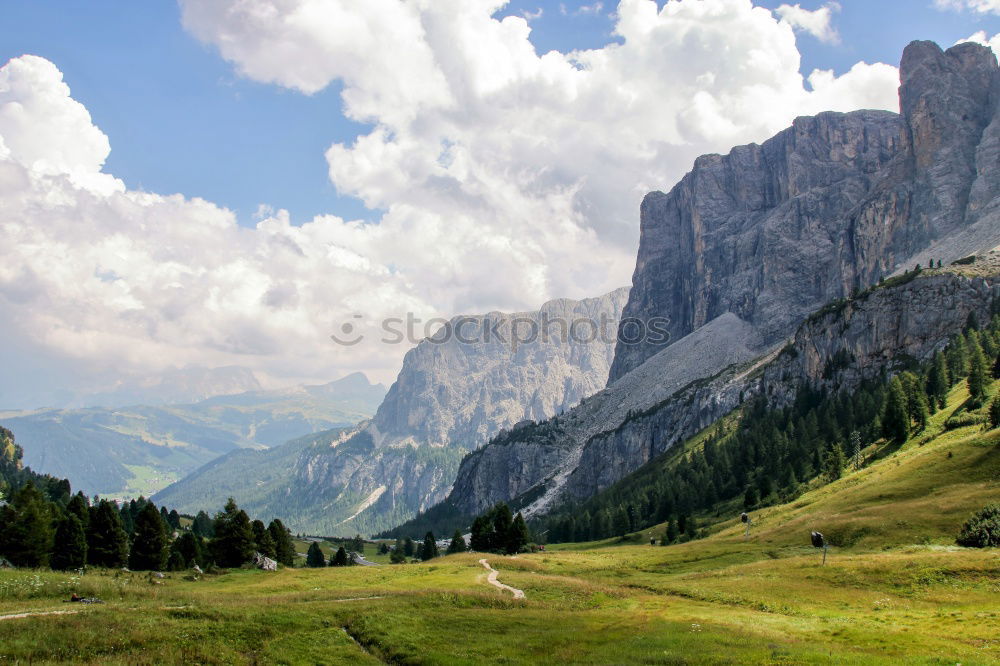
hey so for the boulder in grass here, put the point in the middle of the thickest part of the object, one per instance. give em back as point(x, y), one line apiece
point(264, 563)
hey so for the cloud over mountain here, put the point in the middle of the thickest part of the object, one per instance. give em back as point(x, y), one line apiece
point(502, 176)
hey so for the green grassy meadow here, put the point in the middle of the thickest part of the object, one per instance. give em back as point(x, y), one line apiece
point(895, 589)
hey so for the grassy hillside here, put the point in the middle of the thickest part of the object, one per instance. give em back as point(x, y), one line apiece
point(895, 589)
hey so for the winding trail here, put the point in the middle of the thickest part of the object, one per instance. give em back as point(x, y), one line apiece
point(17, 616)
point(492, 580)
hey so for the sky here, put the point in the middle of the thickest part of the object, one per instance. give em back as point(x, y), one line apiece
point(226, 182)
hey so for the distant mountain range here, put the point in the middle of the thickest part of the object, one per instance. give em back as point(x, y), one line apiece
point(451, 396)
point(127, 451)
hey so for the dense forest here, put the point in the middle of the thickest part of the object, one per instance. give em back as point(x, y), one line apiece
point(771, 453)
point(42, 524)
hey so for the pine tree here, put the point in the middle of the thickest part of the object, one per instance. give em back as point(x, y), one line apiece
point(834, 462)
point(174, 519)
point(977, 372)
point(149, 547)
point(70, 547)
point(203, 525)
point(233, 543)
point(457, 544)
point(750, 498)
point(856, 449)
point(503, 521)
point(26, 531)
point(672, 532)
point(937, 382)
point(895, 420)
point(175, 561)
point(480, 537)
point(79, 507)
point(284, 549)
point(995, 413)
point(430, 549)
point(314, 556)
point(262, 539)
point(189, 548)
point(107, 542)
point(408, 547)
point(519, 535)
point(339, 558)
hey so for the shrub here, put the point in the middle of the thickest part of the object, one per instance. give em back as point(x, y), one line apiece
point(982, 530)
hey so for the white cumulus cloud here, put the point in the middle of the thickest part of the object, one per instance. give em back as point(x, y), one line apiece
point(505, 177)
point(977, 6)
point(818, 22)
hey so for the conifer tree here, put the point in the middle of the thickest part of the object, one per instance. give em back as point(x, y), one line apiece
point(70, 547)
point(995, 413)
point(408, 547)
point(203, 525)
point(937, 382)
point(457, 544)
point(519, 535)
point(977, 372)
point(339, 559)
point(314, 556)
point(79, 507)
point(480, 537)
point(284, 549)
point(107, 542)
point(672, 532)
point(430, 549)
point(26, 531)
point(895, 420)
point(149, 546)
point(233, 543)
point(750, 498)
point(189, 548)
point(834, 462)
point(503, 521)
point(262, 539)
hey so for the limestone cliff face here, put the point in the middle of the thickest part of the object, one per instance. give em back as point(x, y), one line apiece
point(476, 377)
point(747, 245)
point(535, 471)
point(771, 232)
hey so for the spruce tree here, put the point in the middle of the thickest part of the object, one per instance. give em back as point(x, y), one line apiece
point(937, 382)
point(430, 549)
point(339, 558)
point(480, 537)
point(175, 561)
point(408, 547)
point(262, 539)
point(79, 507)
point(149, 545)
point(203, 525)
point(672, 532)
point(503, 521)
point(750, 498)
point(457, 544)
point(519, 535)
point(895, 420)
point(314, 556)
point(834, 462)
point(977, 372)
point(995, 413)
point(189, 548)
point(284, 549)
point(26, 531)
point(107, 542)
point(70, 547)
point(233, 544)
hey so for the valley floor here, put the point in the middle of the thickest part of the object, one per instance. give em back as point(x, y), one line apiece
point(893, 590)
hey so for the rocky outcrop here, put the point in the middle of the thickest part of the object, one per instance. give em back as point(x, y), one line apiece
point(755, 241)
point(476, 377)
point(771, 232)
point(836, 349)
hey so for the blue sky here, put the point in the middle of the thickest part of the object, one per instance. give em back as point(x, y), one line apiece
point(496, 177)
point(181, 120)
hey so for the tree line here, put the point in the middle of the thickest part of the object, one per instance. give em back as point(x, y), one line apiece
point(772, 452)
